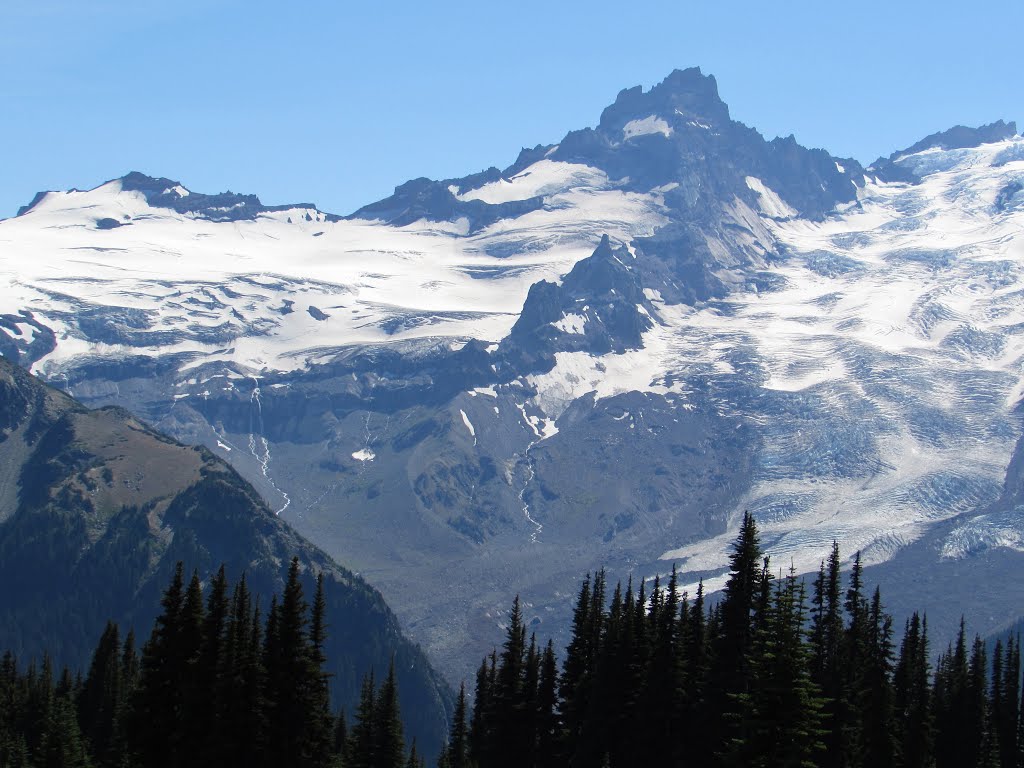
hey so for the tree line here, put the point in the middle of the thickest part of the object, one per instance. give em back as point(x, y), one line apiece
point(218, 683)
point(767, 677)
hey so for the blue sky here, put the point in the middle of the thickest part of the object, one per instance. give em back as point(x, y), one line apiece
point(329, 103)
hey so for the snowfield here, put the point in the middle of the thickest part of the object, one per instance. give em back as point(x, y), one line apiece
point(882, 370)
point(291, 286)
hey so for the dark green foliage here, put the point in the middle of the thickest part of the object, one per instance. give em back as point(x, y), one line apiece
point(456, 753)
point(781, 708)
point(822, 686)
point(641, 682)
point(913, 708)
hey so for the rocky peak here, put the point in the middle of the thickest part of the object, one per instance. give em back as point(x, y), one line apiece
point(599, 308)
point(685, 96)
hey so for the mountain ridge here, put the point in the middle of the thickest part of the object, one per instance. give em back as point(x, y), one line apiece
point(601, 357)
point(96, 510)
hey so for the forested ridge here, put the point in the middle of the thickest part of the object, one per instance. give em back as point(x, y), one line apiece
point(767, 676)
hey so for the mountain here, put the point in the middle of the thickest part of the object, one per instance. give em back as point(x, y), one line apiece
point(599, 356)
point(95, 511)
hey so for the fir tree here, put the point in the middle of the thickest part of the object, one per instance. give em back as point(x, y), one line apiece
point(362, 740)
point(389, 744)
point(457, 751)
point(782, 705)
point(158, 700)
point(731, 674)
point(912, 697)
point(479, 736)
point(100, 702)
point(547, 710)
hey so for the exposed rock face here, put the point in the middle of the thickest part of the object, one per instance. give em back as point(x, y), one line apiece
point(599, 356)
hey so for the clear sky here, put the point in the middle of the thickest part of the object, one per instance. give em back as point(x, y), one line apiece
point(337, 102)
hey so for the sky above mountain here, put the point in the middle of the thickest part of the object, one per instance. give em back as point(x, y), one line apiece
point(336, 104)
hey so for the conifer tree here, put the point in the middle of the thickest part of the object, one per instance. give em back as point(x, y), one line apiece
point(389, 747)
point(876, 697)
point(575, 678)
point(913, 697)
point(100, 701)
point(319, 722)
point(479, 736)
point(979, 742)
point(782, 705)
point(952, 706)
point(547, 710)
point(1006, 701)
point(362, 740)
point(508, 725)
point(341, 739)
point(414, 760)
point(158, 698)
point(457, 751)
point(732, 673)
point(62, 744)
point(827, 633)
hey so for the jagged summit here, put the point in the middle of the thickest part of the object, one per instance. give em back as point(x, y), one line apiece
point(766, 327)
point(685, 95)
point(599, 308)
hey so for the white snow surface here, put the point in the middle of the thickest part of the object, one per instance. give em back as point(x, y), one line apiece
point(647, 126)
point(375, 283)
point(900, 316)
point(771, 204)
point(469, 425)
point(545, 178)
point(907, 311)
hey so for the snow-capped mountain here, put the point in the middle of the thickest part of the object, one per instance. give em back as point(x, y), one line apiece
point(600, 355)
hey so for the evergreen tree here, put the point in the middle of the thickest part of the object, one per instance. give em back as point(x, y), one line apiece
point(457, 751)
point(158, 700)
point(1006, 700)
point(980, 740)
point(508, 725)
point(732, 673)
point(912, 697)
point(320, 722)
point(362, 740)
point(389, 746)
point(341, 739)
point(547, 710)
point(952, 707)
point(876, 696)
point(298, 730)
point(100, 702)
point(574, 683)
point(827, 635)
point(781, 708)
point(62, 743)
point(479, 735)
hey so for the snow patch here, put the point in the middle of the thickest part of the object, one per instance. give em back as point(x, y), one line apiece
point(646, 126)
point(771, 204)
point(469, 425)
point(571, 323)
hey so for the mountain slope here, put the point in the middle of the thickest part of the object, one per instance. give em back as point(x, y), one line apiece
point(600, 355)
point(96, 510)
